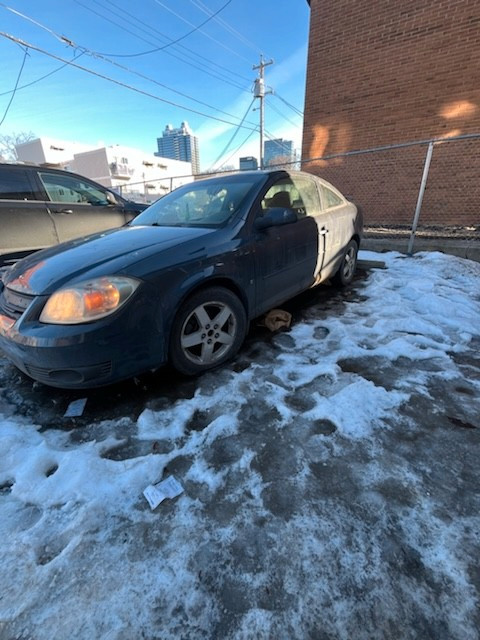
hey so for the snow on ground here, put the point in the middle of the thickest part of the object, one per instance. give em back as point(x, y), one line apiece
point(330, 483)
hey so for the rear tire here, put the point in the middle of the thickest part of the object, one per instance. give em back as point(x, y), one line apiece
point(346, 271)
point(208, 330)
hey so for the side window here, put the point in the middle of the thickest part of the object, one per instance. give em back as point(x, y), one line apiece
point(15, 185)
point(308, 202)
point(330, 198)
point(70, 189)
point(297, 193)
point(278, 195)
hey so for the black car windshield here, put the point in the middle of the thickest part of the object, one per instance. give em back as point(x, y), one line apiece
point(206, 203)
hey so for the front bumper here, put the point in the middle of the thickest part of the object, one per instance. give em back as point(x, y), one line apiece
point(89, 355)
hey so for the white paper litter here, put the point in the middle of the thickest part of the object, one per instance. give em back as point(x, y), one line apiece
point(157, 493)
point(75, 408)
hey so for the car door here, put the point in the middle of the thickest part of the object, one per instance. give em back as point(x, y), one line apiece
point(25, 224)
point(285, 255)
point(309, 204)
point(338, 215)
point(78, 206)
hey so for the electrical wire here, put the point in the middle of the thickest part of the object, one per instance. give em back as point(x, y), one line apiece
point(156, 31)
point(38, 24)
point(169, 53)
point(64, 40)
point(272, 106)
point(195, 28)
point(237, 149)
point(70, 43)
point(233, 136)
point(118, 82)
point(297, 111)
point(226, 26)
point(29, 84)
point(19, 75)
point(205, 34)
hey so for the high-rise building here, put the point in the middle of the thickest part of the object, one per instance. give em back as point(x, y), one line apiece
point(179, 144)
point(278, 151)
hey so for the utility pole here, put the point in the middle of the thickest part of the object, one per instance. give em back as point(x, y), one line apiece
point(259, 92)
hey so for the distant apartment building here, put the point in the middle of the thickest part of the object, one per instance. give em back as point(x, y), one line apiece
point(135, 174)
point(248, 163)
point(50, 151)
point(179, 144)
point(129, 171)
point(278, 151)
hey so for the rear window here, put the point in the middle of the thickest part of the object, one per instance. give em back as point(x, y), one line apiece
point(15, 185)
point(331, 198)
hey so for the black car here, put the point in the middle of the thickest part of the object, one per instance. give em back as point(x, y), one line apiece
point(41, 207)
point(180, 282)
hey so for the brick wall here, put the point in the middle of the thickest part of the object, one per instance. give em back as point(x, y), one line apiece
point(383, 72)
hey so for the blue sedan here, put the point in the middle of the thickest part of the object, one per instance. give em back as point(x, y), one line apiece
point(179, 283)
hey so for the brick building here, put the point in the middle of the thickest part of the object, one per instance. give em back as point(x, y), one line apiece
point(383, 73)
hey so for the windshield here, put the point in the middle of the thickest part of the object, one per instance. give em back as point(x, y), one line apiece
point(207, 203)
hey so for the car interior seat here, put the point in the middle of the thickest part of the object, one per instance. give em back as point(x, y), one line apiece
point(280, 199)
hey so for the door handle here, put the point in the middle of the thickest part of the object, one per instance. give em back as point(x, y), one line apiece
point(62, 211)
point(323, 231)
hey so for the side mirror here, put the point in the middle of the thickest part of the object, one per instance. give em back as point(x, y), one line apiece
point(276, 217)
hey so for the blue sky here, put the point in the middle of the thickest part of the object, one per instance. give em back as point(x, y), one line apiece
point(208, 71)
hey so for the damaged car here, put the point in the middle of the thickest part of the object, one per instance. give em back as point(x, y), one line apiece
point(180, 282)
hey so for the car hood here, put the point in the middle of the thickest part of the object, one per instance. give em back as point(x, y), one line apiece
point(92, 256)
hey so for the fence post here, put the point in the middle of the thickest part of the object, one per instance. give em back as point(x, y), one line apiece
point(418, 208)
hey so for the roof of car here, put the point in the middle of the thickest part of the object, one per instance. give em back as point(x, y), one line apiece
point(32, 165)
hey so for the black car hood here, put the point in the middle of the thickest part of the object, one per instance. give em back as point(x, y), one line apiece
point(47, 270)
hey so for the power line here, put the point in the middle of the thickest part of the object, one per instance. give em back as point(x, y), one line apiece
point(195, 28)
point(70, 43)
point(38, 24)
point(226, 26)
point(169, 53)
point(233, 136)
point(63, 40)
point(16, 86)
point(272, 106)
point(297, 111)
point(153, 29)
point(29, 84)
point(205, 34)
point(237, 149)
point(118, 82)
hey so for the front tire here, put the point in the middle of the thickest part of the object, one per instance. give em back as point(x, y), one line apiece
point(208, 330)
point(346, 271)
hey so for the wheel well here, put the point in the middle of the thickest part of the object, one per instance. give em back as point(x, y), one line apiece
point(356, 237)
point(220, 282)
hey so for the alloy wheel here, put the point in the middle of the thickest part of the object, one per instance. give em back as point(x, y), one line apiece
point(208, 332)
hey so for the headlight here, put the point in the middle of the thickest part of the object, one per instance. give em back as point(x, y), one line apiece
point(88, 301)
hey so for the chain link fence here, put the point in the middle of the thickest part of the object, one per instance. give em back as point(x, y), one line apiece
point(428, 189)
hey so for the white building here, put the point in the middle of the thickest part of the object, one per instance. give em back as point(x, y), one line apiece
point(137, 175)
point(50, 151)
point(131, 172)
